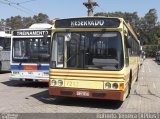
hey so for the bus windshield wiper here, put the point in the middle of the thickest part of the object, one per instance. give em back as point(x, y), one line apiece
point(72, 56)
point(23, 58)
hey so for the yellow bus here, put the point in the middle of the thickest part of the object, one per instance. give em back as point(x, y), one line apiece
point(93, 57)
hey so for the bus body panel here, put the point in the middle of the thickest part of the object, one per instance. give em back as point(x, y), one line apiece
point(5, 44)
point(5, 60)
point(92, 82)
point(87, 93)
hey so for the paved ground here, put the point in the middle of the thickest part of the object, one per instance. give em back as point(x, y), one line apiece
point(22, 97)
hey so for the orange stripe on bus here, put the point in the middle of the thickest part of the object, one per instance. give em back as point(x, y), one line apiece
point(92, 76)
point(85, 73)
point(30, 67)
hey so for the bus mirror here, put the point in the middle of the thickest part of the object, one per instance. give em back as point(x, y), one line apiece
point(68, 37)
point(128, 42)
point(1, 48)
point(45, 36)
point(53, 64)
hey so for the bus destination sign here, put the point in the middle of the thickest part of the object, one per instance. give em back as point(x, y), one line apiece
point(31, 32)
point(88, 23)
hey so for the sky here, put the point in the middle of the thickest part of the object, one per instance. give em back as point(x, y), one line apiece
point(73, 8)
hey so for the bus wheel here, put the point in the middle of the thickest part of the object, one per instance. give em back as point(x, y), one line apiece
point(0, 66)
point(137, 74)
point(129, 85)
point(129, 89)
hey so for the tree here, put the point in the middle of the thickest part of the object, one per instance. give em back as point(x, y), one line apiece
point(15, 22)
point(2, 24)
point(149, 26)
point(19, 22)
point(151, 19)
point(41, 18)
point(27, 21)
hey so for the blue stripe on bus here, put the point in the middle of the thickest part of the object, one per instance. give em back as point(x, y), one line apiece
point(20, 67)
point(43, 68)
point(16, 67)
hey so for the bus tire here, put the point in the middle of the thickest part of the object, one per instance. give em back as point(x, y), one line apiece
point(129, 85)
point(129, 90)
point(0, 66)
point(137, 74)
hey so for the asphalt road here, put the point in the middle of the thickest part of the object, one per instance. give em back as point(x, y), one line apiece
point(30, 97)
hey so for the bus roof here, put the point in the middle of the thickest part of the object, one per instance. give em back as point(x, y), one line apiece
point(90, 17)
point(3, 34)
point(40, 26)
point(37, 26)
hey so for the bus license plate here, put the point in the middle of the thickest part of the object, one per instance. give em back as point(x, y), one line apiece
point(82, 93)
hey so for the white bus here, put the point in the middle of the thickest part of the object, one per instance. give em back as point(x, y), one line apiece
point(5, 47)
point(30, 53)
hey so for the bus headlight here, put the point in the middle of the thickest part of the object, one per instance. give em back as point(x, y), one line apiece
point(53, 82)
point(107, 85)
point(115, 85)
point(60, 82)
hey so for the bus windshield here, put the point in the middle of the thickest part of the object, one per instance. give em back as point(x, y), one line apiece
point(30, 50)
point(88, 50)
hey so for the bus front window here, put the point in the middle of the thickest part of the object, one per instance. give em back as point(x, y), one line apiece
point(89, 50)
point(30, 50)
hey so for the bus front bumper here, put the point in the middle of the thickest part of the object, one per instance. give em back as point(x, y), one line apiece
point(87, 93)
point(34, 79)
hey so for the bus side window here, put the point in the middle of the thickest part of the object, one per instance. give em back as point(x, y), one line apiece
point(7, 44)
point(126, 53)
point(1, 41)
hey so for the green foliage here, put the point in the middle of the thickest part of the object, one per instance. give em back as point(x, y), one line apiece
point(150, 50)
point(18, 22)
point(40, 18)
point(14, 22)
